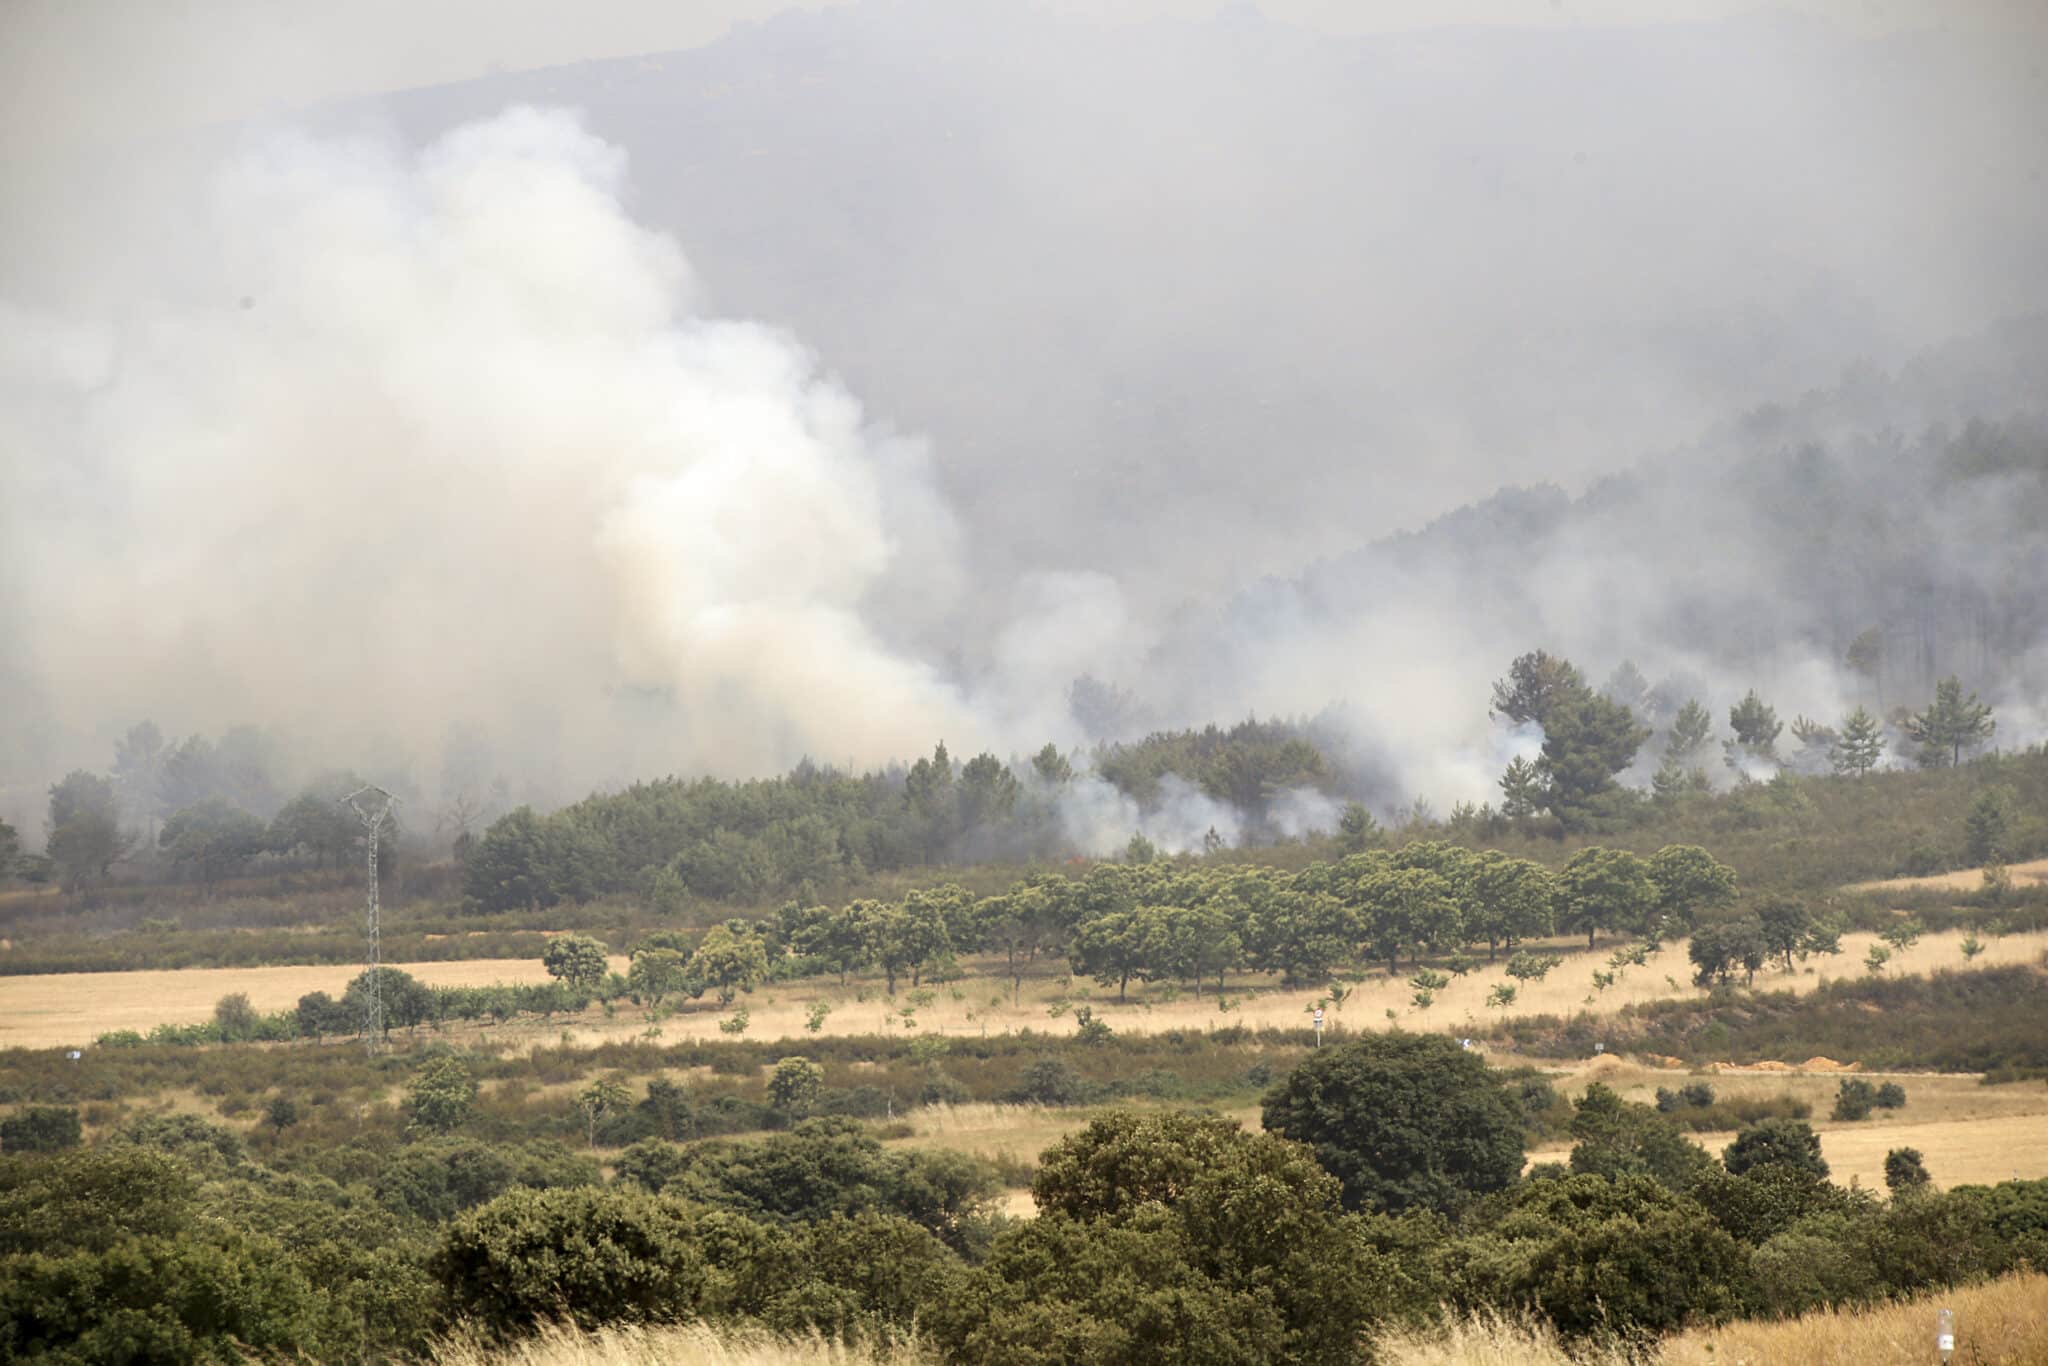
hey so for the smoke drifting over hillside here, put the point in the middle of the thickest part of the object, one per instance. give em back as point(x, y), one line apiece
point(507, 422)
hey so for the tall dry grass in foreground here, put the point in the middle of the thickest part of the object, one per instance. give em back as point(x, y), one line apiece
point(684, 1344)
point(1999, 1323)
point(1487, 1339)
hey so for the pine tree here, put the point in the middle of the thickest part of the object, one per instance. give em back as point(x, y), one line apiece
point(1627, 686)
point(1587, 740)
point(1860, 745)
point(1670, 782)
point(1536, 684)
point(1689, 731)
point(1521, 790)
point(1988, 827)
point(1951, 724)
point(1756, 728)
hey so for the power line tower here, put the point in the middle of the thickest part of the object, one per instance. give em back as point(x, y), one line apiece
point(373, 807)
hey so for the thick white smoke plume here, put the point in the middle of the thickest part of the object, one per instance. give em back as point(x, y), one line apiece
point(445, 438)
point(431, 455)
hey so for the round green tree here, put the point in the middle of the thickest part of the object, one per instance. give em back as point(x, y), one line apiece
point(576, 959)
point(1784, 1142)
point(441, 1096)
point(796, 1085)
point(1404, 1121)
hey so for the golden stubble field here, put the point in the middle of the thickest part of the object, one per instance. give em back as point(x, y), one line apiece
point(71, 1009)
point(1961, 880)
point(1968, 1133)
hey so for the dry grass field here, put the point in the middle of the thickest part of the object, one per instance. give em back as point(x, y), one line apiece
point(1962, 880)
point(688, 1344)
point(1998, 1323)
point(1968, 1133)
point(70, 1009)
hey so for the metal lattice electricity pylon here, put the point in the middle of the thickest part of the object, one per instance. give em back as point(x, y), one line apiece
point(373, 806)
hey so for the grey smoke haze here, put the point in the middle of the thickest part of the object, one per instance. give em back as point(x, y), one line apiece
point(863, 378)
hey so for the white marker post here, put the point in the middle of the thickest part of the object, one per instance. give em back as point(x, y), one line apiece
point(1319, 1026)
point(1945, 1333)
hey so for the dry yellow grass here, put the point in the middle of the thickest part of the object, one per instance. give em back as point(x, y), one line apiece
point(983, 1005)
point(687, 1344)
point(72, 1008)
point(1998, 1323)
point(1968, 1133)
point(1487, 1339)
point(1931, 1097)
point(1017, 1131)
point(1968, 1152)
point(1962, 880)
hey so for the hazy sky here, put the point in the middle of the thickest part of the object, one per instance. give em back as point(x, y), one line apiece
point(93, 69)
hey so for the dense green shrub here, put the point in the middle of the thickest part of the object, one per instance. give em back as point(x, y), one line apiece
point(1174, 1237)
point(205, 1145)
point(1855, 1098)
point(1616, 1138)
point(1593, 1255)
point(1776, 1142)
point(436, 1179)
point(40, 1129)
point(1403, 1120)
point(587, 1255)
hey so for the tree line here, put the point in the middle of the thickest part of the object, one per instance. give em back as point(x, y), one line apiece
point(1192, 922)
point(1591, 737)
point(212, 809)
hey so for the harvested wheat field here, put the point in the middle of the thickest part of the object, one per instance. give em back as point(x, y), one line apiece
point(73, 1008)
point(1962, 1152)
point(982, 1003)
point(1968, 1133)
point(70, 1009)
point(1962, 880)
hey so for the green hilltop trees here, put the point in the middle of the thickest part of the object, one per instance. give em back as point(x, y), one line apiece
point(85, 835)
point(1951, 724)
point(1859, 745)
point(1588, 739)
